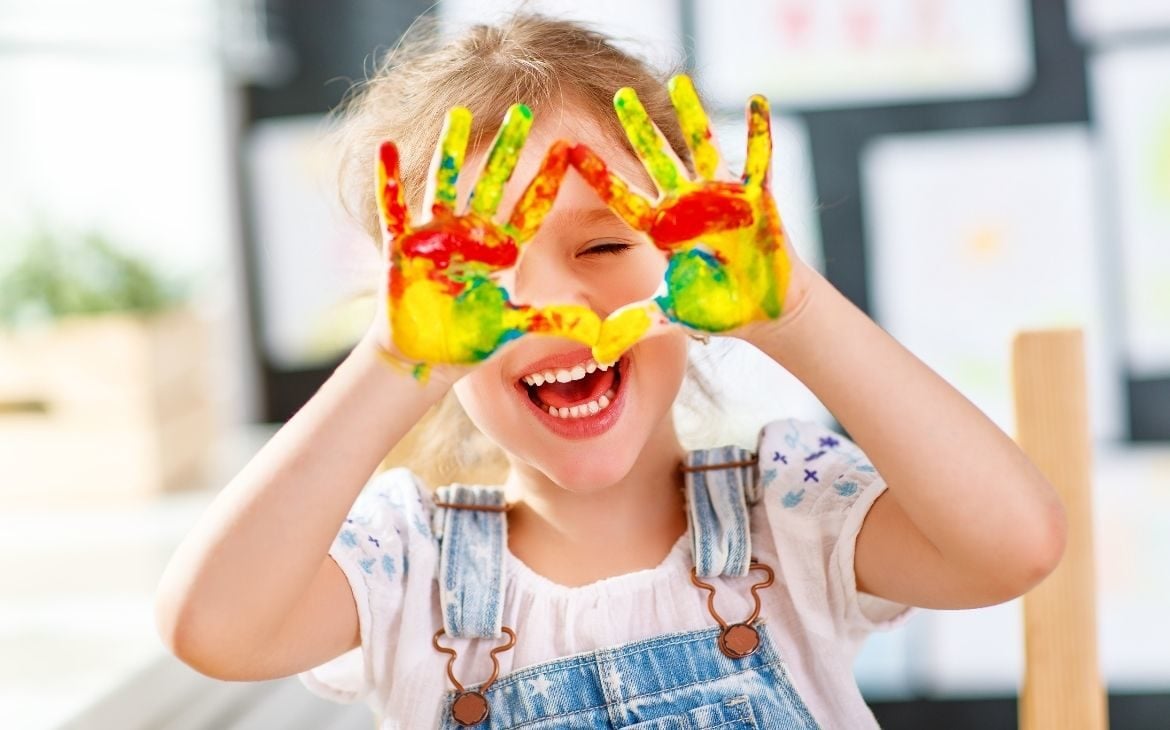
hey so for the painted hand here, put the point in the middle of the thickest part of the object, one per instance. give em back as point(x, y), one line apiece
point(445, 302)
point(730, 263)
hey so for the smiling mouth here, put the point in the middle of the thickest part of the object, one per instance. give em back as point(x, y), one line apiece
point(581, 391)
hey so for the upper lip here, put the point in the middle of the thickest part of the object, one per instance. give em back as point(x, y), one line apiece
point(566, 359)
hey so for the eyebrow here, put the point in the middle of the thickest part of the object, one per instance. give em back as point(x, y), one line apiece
point(585, 217)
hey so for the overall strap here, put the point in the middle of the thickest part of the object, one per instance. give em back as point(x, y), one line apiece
point(719, 485)
point(473, 536)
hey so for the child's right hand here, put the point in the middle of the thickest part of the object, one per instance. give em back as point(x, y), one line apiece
point(440, 300)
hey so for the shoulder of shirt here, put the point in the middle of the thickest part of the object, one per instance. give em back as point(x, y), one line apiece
point(393, 501)
point(809, 467)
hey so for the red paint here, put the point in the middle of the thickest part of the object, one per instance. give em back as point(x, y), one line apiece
point(392, 192)
point(397, 284)
point(710, 209)
point(460, 240)
point(593, 170)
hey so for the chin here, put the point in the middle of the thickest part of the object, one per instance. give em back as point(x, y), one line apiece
point(586, 475)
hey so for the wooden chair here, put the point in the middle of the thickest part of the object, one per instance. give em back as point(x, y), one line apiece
point(1062, 686)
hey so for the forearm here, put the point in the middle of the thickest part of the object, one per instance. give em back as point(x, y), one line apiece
point(256, 549)
point(960, 479)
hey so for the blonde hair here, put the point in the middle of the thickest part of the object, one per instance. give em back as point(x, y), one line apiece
point(548, 64)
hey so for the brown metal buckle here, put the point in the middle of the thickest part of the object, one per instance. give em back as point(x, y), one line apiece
point(737, 640)
point(472, 707)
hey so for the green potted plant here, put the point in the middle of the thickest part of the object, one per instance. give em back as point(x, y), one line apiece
point(103, 373)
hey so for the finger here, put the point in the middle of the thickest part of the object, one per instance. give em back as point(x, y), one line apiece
point(538, 197)
point(612, 189)
point(392, 211)
point(695, 126)
point(569, 321)
point(759, 143)
point(626, 326)
point(651, 147)
point(501, 161)
point(448, 160)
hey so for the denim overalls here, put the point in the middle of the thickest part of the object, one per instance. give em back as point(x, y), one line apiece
point(710, 678)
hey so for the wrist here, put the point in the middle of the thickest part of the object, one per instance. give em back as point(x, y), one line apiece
point(796, 324)
point(404, 376)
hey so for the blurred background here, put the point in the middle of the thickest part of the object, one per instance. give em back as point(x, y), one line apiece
point(176, 280)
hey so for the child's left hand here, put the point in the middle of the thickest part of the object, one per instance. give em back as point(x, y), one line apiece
point(731, 263)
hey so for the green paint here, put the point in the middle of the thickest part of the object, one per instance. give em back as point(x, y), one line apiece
point(502, 159)
point(648, 142)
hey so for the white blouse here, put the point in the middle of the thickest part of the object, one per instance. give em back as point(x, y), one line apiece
point(805, 527)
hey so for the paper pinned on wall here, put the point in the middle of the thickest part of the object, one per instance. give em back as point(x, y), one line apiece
point(651, 29)
point(974, 235)
point(1131, 102)
point(832, 53)
point(312, 260)
point(1103, 20)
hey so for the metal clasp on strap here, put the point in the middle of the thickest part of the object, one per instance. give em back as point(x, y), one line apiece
point(741, 639)
point(472, 707)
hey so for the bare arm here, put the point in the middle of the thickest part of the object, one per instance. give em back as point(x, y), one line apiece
point(968, 520)
point(243, 575)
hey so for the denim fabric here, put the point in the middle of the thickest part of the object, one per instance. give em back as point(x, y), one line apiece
point(471, 561)
point(717, 501)
point(678, 681)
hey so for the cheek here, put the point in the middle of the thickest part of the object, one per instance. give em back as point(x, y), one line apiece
point(663, 360)
point(629, 277)
point(480, 394)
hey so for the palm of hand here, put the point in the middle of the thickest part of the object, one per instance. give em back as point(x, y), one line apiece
point(445, 305)
point(730, 263)
point(727, 256)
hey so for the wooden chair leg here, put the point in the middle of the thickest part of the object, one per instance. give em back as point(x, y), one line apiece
point(1062, 687)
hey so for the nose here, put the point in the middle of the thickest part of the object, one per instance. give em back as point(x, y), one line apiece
point(539, 279)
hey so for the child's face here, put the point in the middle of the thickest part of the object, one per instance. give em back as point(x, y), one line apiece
point(582, 254)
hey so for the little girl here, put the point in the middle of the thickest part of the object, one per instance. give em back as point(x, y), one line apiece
point(613, 580)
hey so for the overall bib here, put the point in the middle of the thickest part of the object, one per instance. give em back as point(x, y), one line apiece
point(728, 676)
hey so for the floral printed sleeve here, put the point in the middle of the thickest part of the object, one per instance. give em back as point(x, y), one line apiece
point(385, 548)
point(818, 488)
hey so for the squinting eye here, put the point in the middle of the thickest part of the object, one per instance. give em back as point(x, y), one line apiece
point(605, 248)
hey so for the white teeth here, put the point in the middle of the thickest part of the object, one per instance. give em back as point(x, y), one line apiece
point(565, 375)
point(591, 408)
